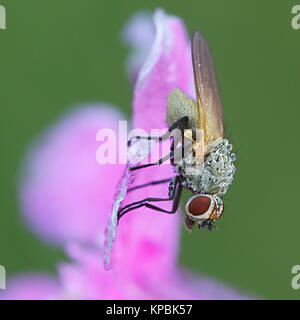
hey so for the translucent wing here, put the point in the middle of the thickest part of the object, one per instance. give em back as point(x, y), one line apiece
point(207, 90)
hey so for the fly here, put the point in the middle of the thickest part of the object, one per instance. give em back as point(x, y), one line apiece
point(200, 153)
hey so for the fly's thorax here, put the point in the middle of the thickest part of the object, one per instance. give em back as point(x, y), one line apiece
point(214, 175)
point(180, 105)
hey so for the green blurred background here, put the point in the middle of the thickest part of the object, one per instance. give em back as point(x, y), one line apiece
point(57, 53)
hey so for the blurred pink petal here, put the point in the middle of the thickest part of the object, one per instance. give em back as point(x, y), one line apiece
point(31, 287)
point(139, 34)
point(85, 278)
point(65, 194)
point(148, 240)
point(205, 288)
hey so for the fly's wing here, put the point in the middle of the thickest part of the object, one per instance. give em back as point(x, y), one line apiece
point(207, 90)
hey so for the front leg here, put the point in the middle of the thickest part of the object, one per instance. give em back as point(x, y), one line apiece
point(175, 189)
point(181, 124)
point(152, 183)
point(175, 155)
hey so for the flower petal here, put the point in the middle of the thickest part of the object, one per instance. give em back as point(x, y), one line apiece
point(147, 241)
point(31, 287)
point(112, 226)
point(195, 287)
point(85, 278)
point(139, 34)
point(65, 194)
point(168, 66)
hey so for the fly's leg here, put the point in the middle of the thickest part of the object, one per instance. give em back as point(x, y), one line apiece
point(152, 183)
point(209, 223)
point(160, 161)
point(172, 189)
point(181, 124)
point(175, 154)
point(175, 189)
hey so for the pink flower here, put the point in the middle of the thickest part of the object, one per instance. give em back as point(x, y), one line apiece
point(62, 193)
point(31, 287)
point(66, 196)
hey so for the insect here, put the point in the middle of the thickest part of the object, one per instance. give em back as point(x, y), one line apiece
point(200, 153)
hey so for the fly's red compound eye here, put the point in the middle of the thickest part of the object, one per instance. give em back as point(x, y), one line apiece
point(203, 207)
point(199, 205)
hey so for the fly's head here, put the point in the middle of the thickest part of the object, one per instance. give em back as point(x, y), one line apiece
point(204, 210)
